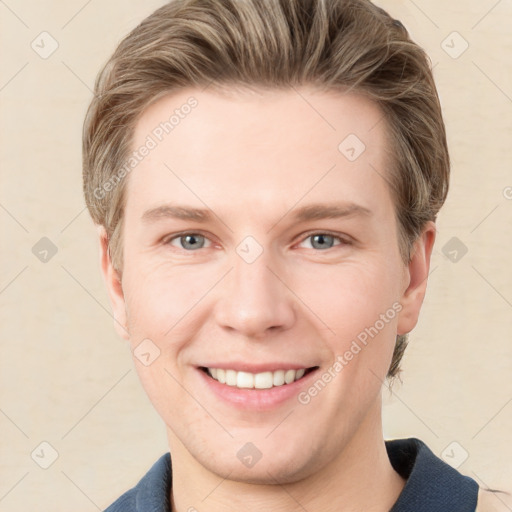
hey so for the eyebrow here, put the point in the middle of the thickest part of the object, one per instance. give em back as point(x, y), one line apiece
point(305, 213)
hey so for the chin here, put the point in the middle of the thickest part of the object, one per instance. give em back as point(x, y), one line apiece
point(274, 466)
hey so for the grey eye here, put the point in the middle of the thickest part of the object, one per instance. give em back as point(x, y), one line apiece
point(192, 241)
point(188, 241)
point(322, 240)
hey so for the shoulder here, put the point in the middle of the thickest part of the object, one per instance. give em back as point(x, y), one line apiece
point(494, 501)
point(125, 503)
point(151, 493)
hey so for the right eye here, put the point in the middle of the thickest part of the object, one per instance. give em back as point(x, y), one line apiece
point(190, 241)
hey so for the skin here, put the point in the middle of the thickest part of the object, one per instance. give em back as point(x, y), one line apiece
point(253, 158)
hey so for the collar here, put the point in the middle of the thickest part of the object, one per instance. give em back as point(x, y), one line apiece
point(431, 484)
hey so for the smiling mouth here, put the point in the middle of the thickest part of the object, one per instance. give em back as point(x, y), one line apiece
point(263, 380)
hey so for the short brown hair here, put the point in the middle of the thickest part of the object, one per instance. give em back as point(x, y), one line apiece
point(330, 44)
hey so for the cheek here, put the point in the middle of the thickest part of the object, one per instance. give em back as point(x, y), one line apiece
point(361, 305)
point(160, 382)
point(158, 301)
point(351, 297)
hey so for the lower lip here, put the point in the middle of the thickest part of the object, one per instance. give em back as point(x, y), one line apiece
point(257, 399)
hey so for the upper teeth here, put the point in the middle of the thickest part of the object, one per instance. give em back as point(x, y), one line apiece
point(264, 380)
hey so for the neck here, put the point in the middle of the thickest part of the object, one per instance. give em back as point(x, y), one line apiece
point(342, 486)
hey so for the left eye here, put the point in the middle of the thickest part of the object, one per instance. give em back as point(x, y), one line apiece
point(324, 240)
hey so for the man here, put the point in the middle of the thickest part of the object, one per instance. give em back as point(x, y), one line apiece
point(265, 176)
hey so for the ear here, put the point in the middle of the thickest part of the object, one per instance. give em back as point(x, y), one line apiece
point(415, 279)
point(112, 281)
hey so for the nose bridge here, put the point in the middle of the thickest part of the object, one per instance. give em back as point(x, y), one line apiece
point(254, 298)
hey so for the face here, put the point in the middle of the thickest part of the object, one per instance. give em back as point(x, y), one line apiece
point(260, 245)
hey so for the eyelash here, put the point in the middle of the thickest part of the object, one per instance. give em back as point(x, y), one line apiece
point(343, 241)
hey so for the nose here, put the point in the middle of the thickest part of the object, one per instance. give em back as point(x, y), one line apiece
point(255, 299)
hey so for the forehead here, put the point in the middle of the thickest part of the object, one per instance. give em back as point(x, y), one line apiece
point(262, 148)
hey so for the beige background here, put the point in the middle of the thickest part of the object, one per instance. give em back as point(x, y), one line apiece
point(67, 380)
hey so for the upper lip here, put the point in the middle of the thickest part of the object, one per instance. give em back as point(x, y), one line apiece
point(257, 368)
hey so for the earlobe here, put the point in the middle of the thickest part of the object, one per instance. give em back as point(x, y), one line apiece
point(415, 284)
point(113, 284)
